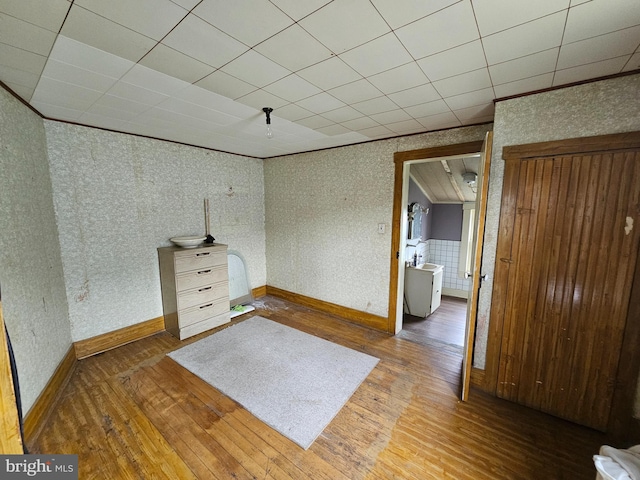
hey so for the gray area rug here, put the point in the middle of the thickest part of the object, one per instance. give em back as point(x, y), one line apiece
point(294, 382)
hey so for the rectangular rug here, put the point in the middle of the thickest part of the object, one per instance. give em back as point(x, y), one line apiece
point(292, 381)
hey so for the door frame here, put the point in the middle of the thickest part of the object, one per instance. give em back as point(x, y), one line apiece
point(622, 425)
point(399, 229)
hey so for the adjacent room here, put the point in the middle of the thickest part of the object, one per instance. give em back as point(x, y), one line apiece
point(411, 237)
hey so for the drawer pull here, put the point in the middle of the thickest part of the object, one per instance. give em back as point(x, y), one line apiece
point(204, 289)
point(204, 271)
point(206, 306)
point(203, 254)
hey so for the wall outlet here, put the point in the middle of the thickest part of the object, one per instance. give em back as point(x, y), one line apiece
point(381, 228)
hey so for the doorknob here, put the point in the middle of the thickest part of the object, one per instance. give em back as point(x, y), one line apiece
point(484, 278)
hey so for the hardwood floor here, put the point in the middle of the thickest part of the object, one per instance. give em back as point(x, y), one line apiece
point(443, 329)
point(134, 413)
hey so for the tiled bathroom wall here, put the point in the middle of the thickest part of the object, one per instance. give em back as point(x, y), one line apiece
point(447, 253)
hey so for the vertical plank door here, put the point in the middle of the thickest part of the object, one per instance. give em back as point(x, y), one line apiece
point(570, 229)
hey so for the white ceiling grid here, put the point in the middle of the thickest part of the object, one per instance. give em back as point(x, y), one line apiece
point(335, 72)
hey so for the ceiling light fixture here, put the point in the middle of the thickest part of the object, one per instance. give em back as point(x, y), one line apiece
point(267, 111)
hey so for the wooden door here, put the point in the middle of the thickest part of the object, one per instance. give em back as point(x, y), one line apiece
point(478, 237)
point(567, 248)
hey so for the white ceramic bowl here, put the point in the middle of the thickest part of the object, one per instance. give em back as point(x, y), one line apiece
point(188, 242)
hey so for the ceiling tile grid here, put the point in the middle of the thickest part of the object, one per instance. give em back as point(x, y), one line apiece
point(335, 72)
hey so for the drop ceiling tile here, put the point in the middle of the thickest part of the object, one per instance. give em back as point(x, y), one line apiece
point(101, 121)
point(440, 121)
point(532, 37)
point(90, 58)
point(187, 4)
point(129, 107)
point(616, 44)
point(375, 105)
point(176, 64)
point(255, 69)
point(91, 29)
point(471, 99)
point(591, 70)
point(383, 53)
point(512, 13)
point(14, 57)
point(230, 17)
point(578, 2)
point(297, 9)
point(57, 112)
point(376, 132)
point(633, 63)
point(136, 94)
point(525, 85)
point(343, 114)
point(23, 91)
point(151, 18)
point(467, 82)
point(398, 14)
point(448, 28)
point(400, 78)
point(334, 24)
point(315, 122)
point(25, 36)
point(292, 112)
point(149, 79)
point(194, 37)
point(454, 61)
point(25, 79)
point(294, 49)
point(329, 74)
point(292, 88)
point(360, 123)
point(48, 15)
point(77, 76)
point(477, 114)
point(323, 102)
point(392, 116)
point(333, 130)
point(406, 127)
point(64, 94)
point(105, 110)
point(258, 99)
point(354, 92)
point(415, 96)
point(524, 67)
point(427, 109)
point(599, 17)
point(225, 84)
point(197, 112)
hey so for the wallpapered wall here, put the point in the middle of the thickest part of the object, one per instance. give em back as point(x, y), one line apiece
point(31, 277)
point(322, 214)
point(610, 106)
point(118, 197)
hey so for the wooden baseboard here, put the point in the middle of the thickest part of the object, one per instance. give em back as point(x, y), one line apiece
point(259, 291)
point(35, 419)
point(355, 316)
point(117, 338)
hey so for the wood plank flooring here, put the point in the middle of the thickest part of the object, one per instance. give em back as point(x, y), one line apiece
point(134, 413)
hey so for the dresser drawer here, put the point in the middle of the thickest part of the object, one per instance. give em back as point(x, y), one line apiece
point(200, 278)
point(202, 312)
point(199, 259)
point(209, 323)
point(202, 295)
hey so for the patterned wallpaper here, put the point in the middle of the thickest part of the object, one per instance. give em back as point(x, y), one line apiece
point(118, 197)
point(322, 214)
point(31, 276)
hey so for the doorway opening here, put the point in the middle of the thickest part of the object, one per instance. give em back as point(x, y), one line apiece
point(441, 197)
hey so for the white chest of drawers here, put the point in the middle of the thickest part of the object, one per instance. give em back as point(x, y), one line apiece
point(195, 288)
